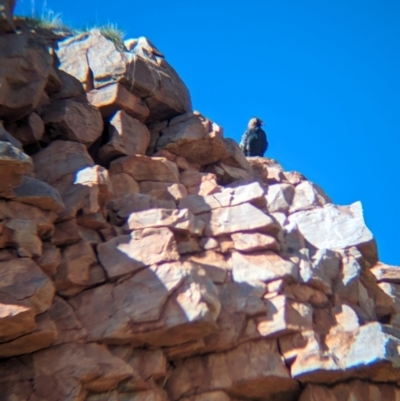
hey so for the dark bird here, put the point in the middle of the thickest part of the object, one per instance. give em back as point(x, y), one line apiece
point(254, 141)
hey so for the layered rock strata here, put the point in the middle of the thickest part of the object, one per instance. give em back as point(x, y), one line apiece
point(144, 258)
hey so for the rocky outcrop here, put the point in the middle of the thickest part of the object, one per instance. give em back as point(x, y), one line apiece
point(143, 257)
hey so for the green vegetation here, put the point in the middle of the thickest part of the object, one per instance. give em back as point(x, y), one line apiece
point(47, 20)
point(113, 33)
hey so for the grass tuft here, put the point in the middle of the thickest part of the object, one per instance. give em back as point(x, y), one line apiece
point(47, 20)
point(113, 33)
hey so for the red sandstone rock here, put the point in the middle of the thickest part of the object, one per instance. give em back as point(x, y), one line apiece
point(180, 220)
point(28, 130)
point(59, 159)
point(195, 138)
point(232, 219)
point(144, 168)
point(251, 370)
point(112, 98)
point(261, 266)
point(252, 192)
point(88, 366)
point(13, 165)
point(24, 284)
point(24, 67)
point(73, 121)
point(128, 253)
point(249, 242)
point(337, 227)
point(38, 193)
point(43, 336)
point(127, 137)
point(73, 272)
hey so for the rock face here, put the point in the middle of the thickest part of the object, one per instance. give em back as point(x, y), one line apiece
point(144, 258)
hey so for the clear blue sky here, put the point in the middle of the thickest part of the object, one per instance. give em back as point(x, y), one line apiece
point(323, 75)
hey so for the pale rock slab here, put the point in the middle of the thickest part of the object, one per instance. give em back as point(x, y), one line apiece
point(250, 242)
point(145, 168)
point(59, 159)
point(279, 197)
point(112, 98)
point(197, 183)
point(291, 345)
point(213, 263)
point(176, 220)
point(336, 227)
point(350, 287)
point(195, 138)
point(349, 357)
point(267, 170)
point(322, 271)
point(251, 192)
point(294, 177)
point(24, 67)
point(261, 267)
point(308, 195)
point(243, 298)
point(128, 136)
point(129, 253)
point(233, 219)
point(284, 316)
point(73, 121)
point(253, 369)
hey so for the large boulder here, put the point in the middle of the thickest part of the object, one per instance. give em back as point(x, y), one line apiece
point(24, 67)
point(97, 61)
point(195, 138)
point(336, 227)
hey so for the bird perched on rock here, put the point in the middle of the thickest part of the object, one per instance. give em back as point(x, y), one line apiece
point(254, 140)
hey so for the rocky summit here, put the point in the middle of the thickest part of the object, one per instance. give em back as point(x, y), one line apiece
point(143, 257)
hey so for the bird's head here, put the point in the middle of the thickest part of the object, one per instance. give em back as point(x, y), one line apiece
point(254, 122)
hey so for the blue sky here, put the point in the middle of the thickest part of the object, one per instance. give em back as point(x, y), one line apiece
point(323, 75)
